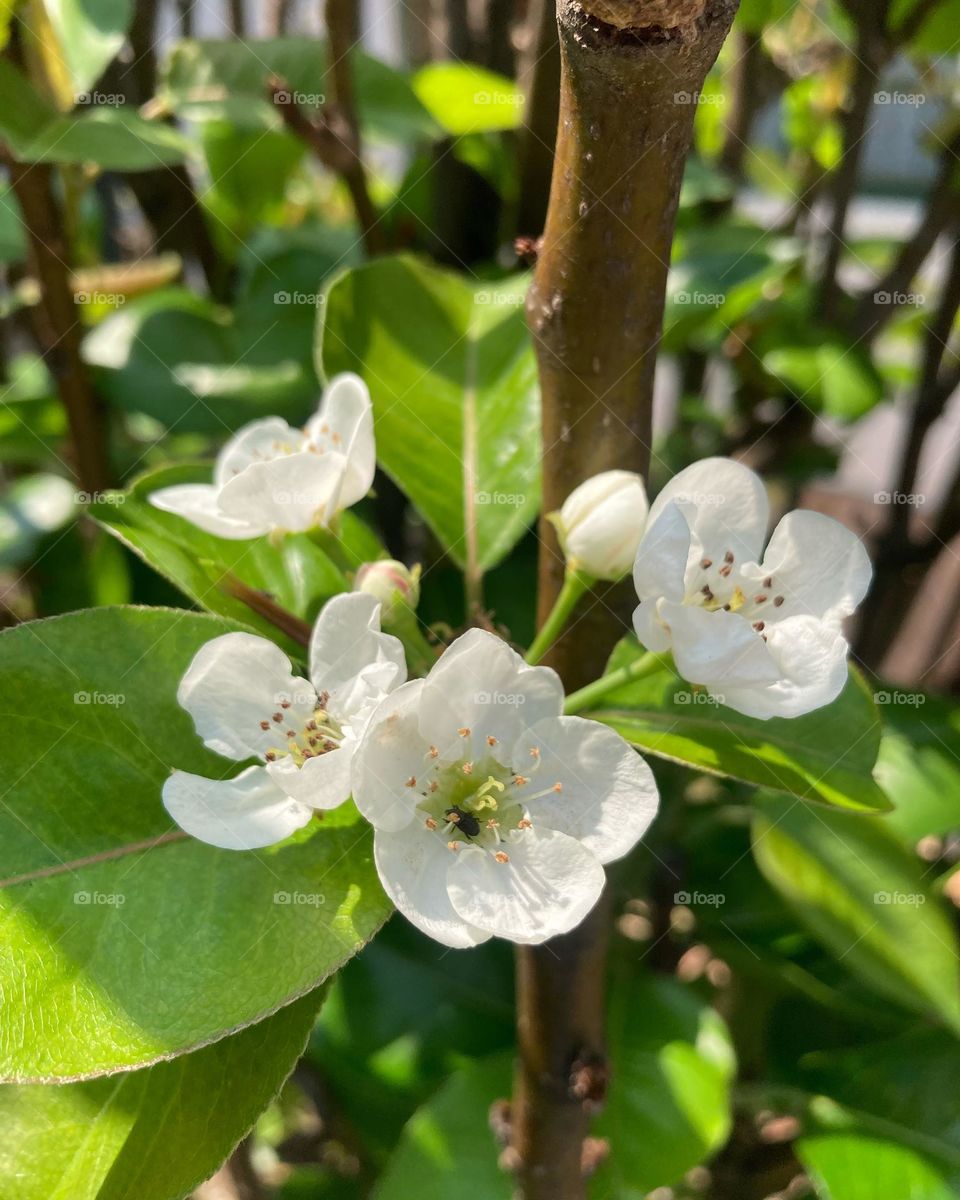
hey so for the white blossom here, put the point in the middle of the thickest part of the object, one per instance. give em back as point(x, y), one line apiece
point(270, 476)
point(601, 522)
point(493, 813)
point(760, 630)
point(246, 702)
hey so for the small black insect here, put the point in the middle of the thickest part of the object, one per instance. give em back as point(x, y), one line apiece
point(466, 822)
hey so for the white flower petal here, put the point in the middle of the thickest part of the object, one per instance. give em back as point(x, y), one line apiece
point(256, 442)
point(608, 794)
point(601, 523)
point(296, 492)
point(350, 658)
point(413, 870)
point(344, 422)
point(235, 814)
point(322, 782)
point(235, 683)
point(725, 504)
point(479, 683)
point(718, 648)
point(199, 504)
point(820, 567)
point(650, 630)
point(661, 562)
point(812, 660)
point(390, 753)
point(549, 885)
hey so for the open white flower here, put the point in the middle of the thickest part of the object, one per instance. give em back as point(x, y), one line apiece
point(493, 813)
point(247, 703)
point(270, 476)
point(762, 635)
point(601, 523)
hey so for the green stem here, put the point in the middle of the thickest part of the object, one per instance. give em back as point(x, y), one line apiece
point(403, 623)
point(335, 550)
point(576, 584)
point(587, 697)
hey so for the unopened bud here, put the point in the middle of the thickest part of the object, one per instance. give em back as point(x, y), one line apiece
point(395, 585)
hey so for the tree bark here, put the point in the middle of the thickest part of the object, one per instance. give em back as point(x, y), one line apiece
point(630, 73)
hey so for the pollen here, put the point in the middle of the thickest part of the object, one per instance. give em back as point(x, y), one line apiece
point(520, 780)
point(707, 563)
point(411, 782)
point(464, 731)
point(454, 846)
point(434, 752)
point(534, 751)
point(761, 599)
point(264, 724)
point(728, 557)
point(491, 740)
point(502, 857)
point(759, 626)
point(557, 787)
point(430, 824)
point(777, 601)
point(525, 823)
point(278, 717)
point(467, 768)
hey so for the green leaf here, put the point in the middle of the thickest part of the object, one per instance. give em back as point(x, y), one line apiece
point(833, 376)
point(919, 763)
point(295, 572)
point(13, 238)
point(856, 1166)
point(30, 507)
point(454, 386)
point(825, 756)
point(24, 113)
point(669, 1102)
point(227, 80)
point(153, 1133)
point(89, 35)
point(114, 139)
point(124, 941)
point(447, 1146)
point(860, 892)
point(464, 98)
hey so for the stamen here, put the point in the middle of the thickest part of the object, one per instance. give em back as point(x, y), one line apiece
point(284, 703)
point(264, 724)
point(520, 780)
point(433, 752)
point(761, 599)
point(768, 582)
point(434, 785)
point(728, 557)
point(411, 782)
point(758, 626)
point(502, 857)
point(464, 731)
point(524, 823)
point(467, 768)
point(725, 571)
point(278, 717)
point(270, 756)
point(706, 563)
point(534, 751)
point(777, 601)
point(430, 824)
point(491, 740)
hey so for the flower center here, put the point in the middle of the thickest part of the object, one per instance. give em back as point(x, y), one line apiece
point(477, 802)
point(720, 584)
point(299, 738)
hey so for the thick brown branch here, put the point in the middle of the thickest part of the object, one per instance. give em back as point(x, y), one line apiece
point(541, 78)
point(629, 79)
point(57, 325)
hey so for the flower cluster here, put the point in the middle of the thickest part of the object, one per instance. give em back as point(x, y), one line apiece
point(761, 630)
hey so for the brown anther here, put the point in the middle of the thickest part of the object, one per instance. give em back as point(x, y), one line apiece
point(434, 752)
point(761, 599)
point(291, 733)
point(264, 724)
point(768, 582)
point(758, 626)
point(430, 824)
point(777, 601)
point(453, 846)
point(453, 817)
point(502, 857)
point(707, 592)
point(728, 557)
point(726, 608)
point(284, 703)
point(706, 563)
point(491, 740)
point(329, 745)
point(558, 787)
point(534, 751)
point(311, 725)
point(464, 731)
point(323, 699)
point(725, 571)
point(270, 756)
point(278, 717)
point(467, 768)
point(524, 823)
point(520, 780)
point(411, 782)
point(434, 785)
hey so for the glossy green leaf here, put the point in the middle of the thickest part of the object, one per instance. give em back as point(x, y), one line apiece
point(124, 941)
point(919, 763)
point(114, 139)
point(669, 1102)
point(446, 1151)
point(858, 890)
point(295, 571)
point(452, 376)
point(210, 79)
point(827, 755)
point(89, 35)
point(464, 98)
point(858, 1166)
point(832, 376)
point(153, 1133)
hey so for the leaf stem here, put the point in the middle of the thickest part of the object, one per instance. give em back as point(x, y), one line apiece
point(640, 668)
point(576, 584)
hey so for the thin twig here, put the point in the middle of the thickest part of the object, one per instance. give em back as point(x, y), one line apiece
point(265, 606)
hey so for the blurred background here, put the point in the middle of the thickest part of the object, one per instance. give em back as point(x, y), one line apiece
point(181, 182)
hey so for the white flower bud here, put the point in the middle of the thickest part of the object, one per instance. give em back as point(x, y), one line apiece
point(601, 523)
point(391, 582)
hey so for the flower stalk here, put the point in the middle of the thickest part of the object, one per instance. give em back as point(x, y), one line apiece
point(576, 584)
point(588, 697)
